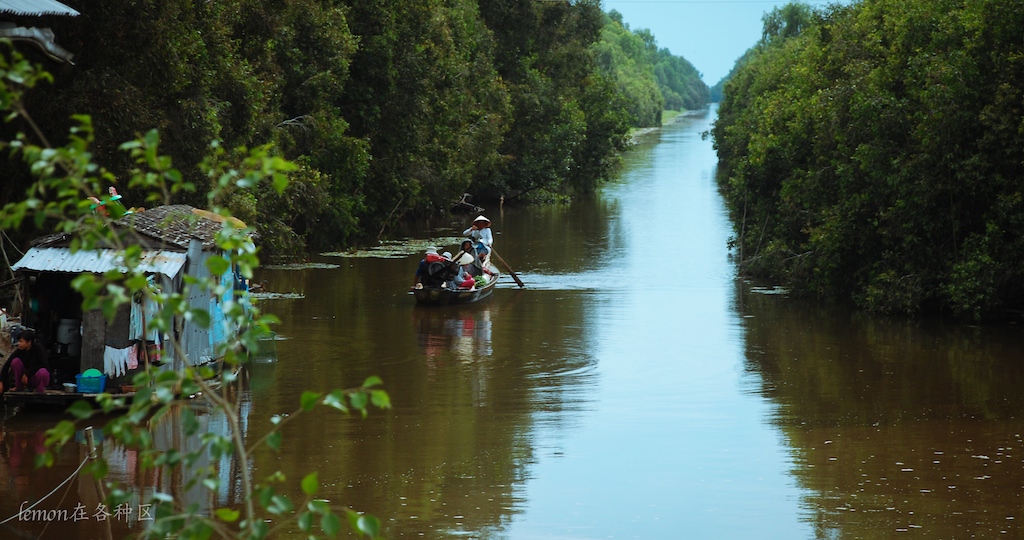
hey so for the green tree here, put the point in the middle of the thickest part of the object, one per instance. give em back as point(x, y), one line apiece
point(875, 156)
point(65, 177)
point(628, 59)
point(544, 54)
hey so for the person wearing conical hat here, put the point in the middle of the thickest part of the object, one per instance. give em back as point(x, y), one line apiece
point(464, 278)
point(480, 233)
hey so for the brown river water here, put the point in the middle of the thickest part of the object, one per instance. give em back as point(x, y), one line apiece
point(634, 389)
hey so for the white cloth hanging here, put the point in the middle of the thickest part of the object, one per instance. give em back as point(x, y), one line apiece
point(115, 361)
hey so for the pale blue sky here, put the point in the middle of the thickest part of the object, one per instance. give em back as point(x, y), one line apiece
point(711, 34)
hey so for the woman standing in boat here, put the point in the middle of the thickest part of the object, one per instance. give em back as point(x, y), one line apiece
point(480, 232)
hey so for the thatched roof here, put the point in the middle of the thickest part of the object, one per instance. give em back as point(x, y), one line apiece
point(164, 227)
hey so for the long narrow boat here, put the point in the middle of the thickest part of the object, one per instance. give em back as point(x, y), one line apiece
point(445, 295)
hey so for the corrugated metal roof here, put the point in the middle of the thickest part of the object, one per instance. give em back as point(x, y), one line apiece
point(57, 259)
point(36, 7)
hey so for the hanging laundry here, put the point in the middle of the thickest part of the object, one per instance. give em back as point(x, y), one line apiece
point(115, 361)
point(133, 357)
point(144, 310)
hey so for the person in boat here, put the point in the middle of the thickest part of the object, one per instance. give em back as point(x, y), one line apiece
point(474, 266)
point(464, 279)
point(430, 256)
point(480, 234)
point(435, 271)
point(27, 366)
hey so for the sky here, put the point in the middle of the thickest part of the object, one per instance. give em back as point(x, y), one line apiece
point(711, 34)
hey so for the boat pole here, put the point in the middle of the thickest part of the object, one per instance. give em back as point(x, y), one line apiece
point(510, 271)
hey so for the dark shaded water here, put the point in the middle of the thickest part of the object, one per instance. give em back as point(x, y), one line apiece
point(634, 389)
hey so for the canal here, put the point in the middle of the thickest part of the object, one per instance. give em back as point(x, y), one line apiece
point(636, 388)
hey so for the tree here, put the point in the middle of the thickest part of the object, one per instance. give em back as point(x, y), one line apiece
point(65, 177)
point(875, 156)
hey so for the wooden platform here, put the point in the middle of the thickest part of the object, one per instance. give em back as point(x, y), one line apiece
point(51, 399)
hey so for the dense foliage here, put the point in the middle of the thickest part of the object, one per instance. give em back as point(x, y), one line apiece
point(163, 394)
point(389, 108)
point(876, 156)
point(652, 79)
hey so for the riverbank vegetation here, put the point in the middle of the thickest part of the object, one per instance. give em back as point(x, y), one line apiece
point(873, 153)
point(651, 79)
point(390, 109)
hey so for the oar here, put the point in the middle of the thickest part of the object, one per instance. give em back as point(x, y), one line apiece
point(510, 271)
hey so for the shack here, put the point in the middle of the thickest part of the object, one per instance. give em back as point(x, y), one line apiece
point(176, 241)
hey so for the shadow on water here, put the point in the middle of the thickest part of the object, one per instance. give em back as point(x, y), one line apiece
point(896, 426)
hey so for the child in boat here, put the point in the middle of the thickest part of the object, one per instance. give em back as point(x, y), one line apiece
point(464, 279)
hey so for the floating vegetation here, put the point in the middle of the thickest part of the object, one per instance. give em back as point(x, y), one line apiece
point(302, 266)
point(399, 249)
point(769, 290)
point(277, 296)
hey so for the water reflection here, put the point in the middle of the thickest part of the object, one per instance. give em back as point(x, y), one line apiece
point(460, 334)
point(64, 502)
point(896, 426)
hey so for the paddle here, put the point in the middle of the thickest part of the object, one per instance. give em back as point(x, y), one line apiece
point(510, 271)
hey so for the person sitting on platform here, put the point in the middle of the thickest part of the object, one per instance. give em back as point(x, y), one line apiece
point(27, 366)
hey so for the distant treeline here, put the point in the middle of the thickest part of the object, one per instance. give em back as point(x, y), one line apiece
point(391, 108)
point(652, 79)
point(874, 153)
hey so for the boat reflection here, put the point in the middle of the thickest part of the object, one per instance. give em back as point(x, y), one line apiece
point(459, 335)
point(458, 338)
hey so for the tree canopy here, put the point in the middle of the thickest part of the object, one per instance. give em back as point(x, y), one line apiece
point(652, 79)
point(388, 108)
point(874, 155)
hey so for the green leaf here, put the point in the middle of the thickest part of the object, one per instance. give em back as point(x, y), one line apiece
point(274, 440)
point(80, 409)
point(336, 400)
point(280, 183)
point(372, 380)
point(331, 524)
point(380, 399)
point(227, 515)
point(319, 506)
point(368, 525)
point(190, 425)
point(305, 521)
point(280, 505)
point(310, 484)
point(217, 265)
point(200, 317)
point(358, 400)
point(309, 400)
point(266, 494)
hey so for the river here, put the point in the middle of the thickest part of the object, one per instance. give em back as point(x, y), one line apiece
point(635, 388)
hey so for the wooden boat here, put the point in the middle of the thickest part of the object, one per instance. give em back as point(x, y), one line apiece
point(443, 295)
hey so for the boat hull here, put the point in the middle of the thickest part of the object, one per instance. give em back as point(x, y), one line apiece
point(443, 296)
